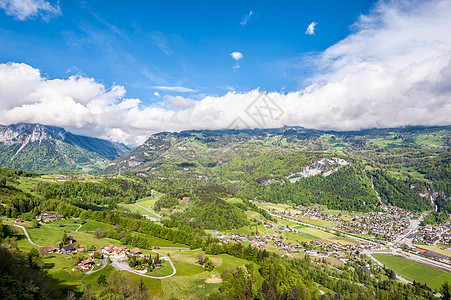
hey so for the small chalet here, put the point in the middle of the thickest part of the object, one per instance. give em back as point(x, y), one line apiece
point(49, 249)
point(18, 220)
point(68, 249)
point(134, 252)
point(86, 264)
point(70, 239)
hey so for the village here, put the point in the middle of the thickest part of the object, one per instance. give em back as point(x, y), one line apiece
point(439, 234)
point(384, 225)
point(317, 248)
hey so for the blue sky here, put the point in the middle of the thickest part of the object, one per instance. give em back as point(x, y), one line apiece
point(145, 44)
point(123, 71)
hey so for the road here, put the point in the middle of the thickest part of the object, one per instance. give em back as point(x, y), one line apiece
point(152, 219)
point(104, 263)
point(28, 237)
point(123, 266)
point(408, 235)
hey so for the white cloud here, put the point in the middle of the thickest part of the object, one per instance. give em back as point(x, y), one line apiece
point(394, 70)
point(179, 89)
point(156, 94)
point(236, 55)
point(26, 9)
point(311, 28)
point(246, 18)
point(178, 102)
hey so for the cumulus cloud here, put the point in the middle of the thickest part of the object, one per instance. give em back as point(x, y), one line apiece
point(178, 102)
point(236, 55)
point(311, 28)
point(394, 70)
point(246, 18)
point(26, 9)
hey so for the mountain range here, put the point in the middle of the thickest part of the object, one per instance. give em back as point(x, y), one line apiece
point(48, 149)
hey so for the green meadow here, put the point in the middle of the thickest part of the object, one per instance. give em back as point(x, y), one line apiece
point(415, 271)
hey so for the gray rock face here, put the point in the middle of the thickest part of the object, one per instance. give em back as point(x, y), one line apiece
point(24, 132)
point(324, 166)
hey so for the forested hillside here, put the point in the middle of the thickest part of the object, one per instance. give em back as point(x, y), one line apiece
point(343, 170)
point(48, 149)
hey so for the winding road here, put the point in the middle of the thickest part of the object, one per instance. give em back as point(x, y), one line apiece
point(28, 237)
point(123, 266)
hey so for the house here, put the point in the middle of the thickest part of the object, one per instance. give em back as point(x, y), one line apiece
point(68, 249)
point(49, 249)
point(116, 252)
point(134, 251)
point(18, 220)
point(108, 249)
point(86, 264)
point(70, 239)
point(119, 253)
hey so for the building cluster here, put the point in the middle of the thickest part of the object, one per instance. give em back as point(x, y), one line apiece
point(112, 251)
point(385, 224)
point(49, 216)
point(434, 234)
point(343, 252)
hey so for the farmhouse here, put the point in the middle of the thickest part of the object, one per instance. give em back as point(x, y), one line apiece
point(134, 252)
point(86, 264)
point(49, 249)
point(68, 249)
point(116, 252)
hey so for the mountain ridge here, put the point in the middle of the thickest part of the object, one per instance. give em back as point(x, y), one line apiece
point(47, 149)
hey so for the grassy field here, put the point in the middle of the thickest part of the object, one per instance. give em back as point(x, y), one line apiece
point(193, 279)
point(317, 232)
point(92, 225)
point(146, 202)
point(320, 223)
point(415, 271)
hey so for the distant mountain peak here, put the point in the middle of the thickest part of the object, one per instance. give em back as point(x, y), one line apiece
point(28, 132)
point(43, 149)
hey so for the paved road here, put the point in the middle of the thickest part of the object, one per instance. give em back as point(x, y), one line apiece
point(104, 263)
point(28, 237)
point(123, 266)
point(158, 216)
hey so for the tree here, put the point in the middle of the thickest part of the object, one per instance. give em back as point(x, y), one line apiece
point(209, 265)
point(97, 255)
point(445, 290)
point(201, 259)
point(64, 240)
point(98, 233)
point(102, 280)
